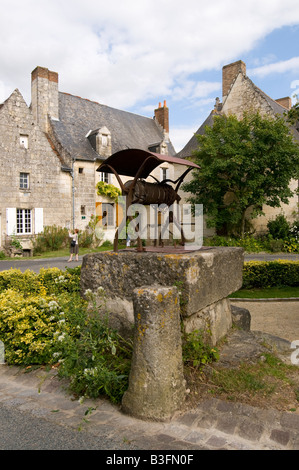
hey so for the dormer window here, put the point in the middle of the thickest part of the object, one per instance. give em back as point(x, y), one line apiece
point(24, 141)
point(104, 140)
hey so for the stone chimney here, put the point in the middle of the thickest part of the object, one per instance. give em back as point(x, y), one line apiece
point(285, 102)
point(44, 96)
point(229, 74)
point(162, 117)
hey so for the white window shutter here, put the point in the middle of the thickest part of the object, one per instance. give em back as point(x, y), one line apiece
point(39, 219)
point(11, 220)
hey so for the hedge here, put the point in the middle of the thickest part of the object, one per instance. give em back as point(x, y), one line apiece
point(270, 274)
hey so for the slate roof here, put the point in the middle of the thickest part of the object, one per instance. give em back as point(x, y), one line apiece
point(78, 116)
point(193, 142)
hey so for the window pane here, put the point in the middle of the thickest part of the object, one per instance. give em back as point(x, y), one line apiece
point(23, 221)
point(19, 221)
point(107, 214)
point(24, 180)
point(27, 216)
point(105, 177)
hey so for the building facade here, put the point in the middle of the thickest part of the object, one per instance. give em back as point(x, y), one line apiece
point(240, 94)
point(50, 151)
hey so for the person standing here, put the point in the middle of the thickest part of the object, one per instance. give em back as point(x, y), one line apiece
point(74, 245)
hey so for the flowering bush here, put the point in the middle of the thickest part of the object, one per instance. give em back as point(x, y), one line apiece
point(29, 327)
point(44, 320)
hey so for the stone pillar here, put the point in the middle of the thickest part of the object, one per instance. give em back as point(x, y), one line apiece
point(156, 384)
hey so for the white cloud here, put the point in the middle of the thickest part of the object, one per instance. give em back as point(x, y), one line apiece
point(290, 65)
point(181, 135)
point(124, 52)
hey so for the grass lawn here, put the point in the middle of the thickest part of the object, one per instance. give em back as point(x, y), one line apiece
point(64, 252)
point(266, 293)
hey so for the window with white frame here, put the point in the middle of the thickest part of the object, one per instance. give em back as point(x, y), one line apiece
point(104, 177)
point(24, 221)
point(24, 180)
point(20, 221)
point(164, 173)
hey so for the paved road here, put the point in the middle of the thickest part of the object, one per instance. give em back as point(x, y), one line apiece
point(61, 263)
point(36, 264)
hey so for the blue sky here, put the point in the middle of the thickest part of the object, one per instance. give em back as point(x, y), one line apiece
point(132, 55)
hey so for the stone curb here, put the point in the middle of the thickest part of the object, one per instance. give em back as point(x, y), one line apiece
point(270, 299)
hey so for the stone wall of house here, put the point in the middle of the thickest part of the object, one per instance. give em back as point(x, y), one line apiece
point(244, 96)
point(84, 194)
point(49, 188)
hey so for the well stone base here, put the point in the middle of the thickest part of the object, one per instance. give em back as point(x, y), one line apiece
point(213, 321)
point(204, 279)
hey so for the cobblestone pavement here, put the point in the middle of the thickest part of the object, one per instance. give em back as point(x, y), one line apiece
point(213, 425)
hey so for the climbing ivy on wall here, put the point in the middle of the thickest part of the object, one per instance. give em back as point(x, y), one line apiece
point(108, 190)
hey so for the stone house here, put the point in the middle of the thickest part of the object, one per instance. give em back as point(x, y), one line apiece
point(50, 151)
point(240, 94)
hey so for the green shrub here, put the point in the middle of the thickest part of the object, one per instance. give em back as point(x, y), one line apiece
point(52, 238)
point(27, 327)
point(294, 230)
point(195, 351)
point(276, 245)
point(249, 243)
point(95, 359)
point(2, 255)
point(279, 228)
point(270, 274)
point(86, 238)
point(26, 282)
point(253, 244)
point(48, 281)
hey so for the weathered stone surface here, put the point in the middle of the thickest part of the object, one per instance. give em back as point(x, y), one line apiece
point(250, 347)
point(202, 277)
point(156, 385)
point(213, 321)
point(241, 317)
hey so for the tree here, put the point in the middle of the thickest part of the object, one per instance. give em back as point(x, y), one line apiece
point(293, 113)
point(243, 164)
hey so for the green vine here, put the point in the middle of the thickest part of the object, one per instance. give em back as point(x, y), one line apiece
point(108, 190)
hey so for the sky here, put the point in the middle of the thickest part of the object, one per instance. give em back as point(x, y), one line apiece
point(133, 54)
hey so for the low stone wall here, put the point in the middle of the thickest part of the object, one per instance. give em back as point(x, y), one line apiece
point(204, 279)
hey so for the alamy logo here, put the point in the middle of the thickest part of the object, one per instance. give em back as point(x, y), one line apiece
point(159, 221)
point(2, 353)
point(295, 354)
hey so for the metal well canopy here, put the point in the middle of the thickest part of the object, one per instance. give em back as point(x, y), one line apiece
point(128, 162)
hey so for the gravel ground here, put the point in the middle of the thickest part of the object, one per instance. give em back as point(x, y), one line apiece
point(277, 318)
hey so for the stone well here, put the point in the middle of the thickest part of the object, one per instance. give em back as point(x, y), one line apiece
point(204, 279)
